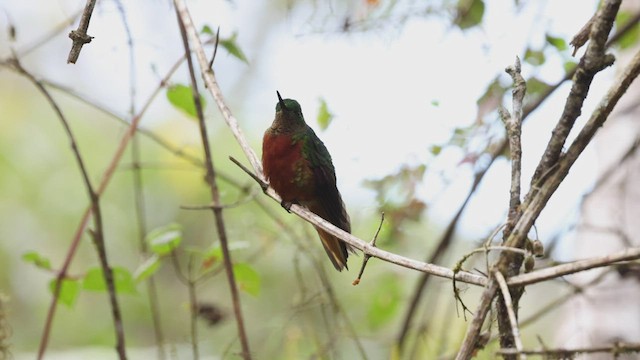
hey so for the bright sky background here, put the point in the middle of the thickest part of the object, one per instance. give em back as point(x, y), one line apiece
point(381, 86)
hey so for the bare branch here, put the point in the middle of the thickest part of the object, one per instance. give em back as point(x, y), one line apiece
point(182, 15)
point(593, 61)
point(574, 267)
point(97, 234)
point(366, 258)
point(614, 349)
point(214, 89)
point(509, 305)
point(513, 125)
point(79, 36)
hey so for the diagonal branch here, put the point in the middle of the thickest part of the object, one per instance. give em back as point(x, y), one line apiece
point(98, 233)
point(79, 36)
point(538, 196)
point(181, 13)
point(593, 61)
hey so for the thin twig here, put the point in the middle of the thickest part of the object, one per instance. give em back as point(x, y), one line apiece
point(184, 21)
point(366, 258)
point(214, 89)
point(215, 49)
point(593, 61)
point(574, 267)
point(79, 36)
point(513, 125)
point(509, 305)
point(139, 199)
point(615, 350)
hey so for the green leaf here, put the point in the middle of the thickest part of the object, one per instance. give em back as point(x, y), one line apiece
point(164, 240)
point(569, 66)
point(630, 38)
point(534, 57)
point(324, 115)
point(536, 86)
point(469, 13)
point(557, 42)
point(232, 47)
point(94, 280)
point(147, 268)
point(385, 301)
point(215, 252)
point(181, 97)
point(247, 278)
point(206, 29)
point(435, 150)
point(37, 259)
point(69, 291)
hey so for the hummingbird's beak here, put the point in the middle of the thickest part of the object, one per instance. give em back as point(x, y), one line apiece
point(281, 101)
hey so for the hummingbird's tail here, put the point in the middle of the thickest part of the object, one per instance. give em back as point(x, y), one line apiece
point(336, 249)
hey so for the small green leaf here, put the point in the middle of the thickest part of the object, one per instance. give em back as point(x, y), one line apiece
point(385, 301)
point(164, 240)
point(324, 115)
point(232, 47)
point(147, 268)
point(69, 291)
point(630, 38)
point(215, 252)
point(206, 29)
point(557, 42)
point(247, 278)
point(536, 86)
point(469, 13)
point(37, 259)
point(435, 103)
point(534, 57)
point(435, 150)
point(94, 280)
point(181, 97)
point(569, 66)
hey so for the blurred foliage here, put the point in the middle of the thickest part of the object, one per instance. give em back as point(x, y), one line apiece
point(297, 306)
point(397, 198)
point(181, 97)
point(324, 117)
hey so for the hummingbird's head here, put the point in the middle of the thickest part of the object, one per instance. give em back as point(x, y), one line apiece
point(288, 112)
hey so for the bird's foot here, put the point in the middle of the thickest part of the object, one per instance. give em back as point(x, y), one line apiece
point(287, 205)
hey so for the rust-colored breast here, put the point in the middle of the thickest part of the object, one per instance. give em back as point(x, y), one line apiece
point(286, 169)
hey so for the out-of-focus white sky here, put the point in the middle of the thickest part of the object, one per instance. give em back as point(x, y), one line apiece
point(394, 91)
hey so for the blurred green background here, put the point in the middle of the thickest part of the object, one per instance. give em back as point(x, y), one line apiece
point(392, 87)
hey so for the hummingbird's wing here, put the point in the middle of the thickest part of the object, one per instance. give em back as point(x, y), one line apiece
point(327, 201)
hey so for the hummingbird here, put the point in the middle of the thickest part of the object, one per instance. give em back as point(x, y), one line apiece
point(299, 168)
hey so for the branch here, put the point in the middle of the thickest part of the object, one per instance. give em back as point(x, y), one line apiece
point(593, 61)
point(79, 36)
point(214, 89)
point(98, 234)
point(615, 350)
point(509, 305)
point(104, 182)
point(497, 151)
point(513, 126)
point(370, 250)
point(184, 23)
point(538, 197)
point(574, 267)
